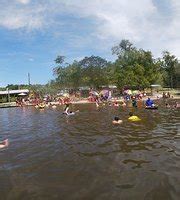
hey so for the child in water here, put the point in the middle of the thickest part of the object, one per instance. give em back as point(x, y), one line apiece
point(117, 120)
point(4, 143)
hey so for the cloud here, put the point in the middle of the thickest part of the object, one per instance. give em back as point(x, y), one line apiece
point(148, 24)
point(117, 19)
point(31, 59)
point(144, 22)
point(24, 1)
point(15, 17)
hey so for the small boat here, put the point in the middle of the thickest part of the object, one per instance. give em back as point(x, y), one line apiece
point(151, 107)
point(54, 106)
point(4, 143)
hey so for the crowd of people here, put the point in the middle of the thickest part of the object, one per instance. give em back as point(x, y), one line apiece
point(133, 101)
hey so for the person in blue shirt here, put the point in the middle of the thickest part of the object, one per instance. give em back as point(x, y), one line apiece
point(149, 102)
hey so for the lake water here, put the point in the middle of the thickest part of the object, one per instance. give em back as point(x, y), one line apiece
point(52, 156)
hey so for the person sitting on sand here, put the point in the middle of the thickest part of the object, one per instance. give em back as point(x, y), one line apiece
point(4, 143)
point(117, 120)
point(133, 117)
point(149, 103)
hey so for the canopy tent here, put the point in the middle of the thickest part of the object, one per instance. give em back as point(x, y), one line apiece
point(22, 94)
point(14, 92)
point(105, 92)
point(155, 85)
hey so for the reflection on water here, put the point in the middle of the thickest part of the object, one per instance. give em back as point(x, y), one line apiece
point(52, 156)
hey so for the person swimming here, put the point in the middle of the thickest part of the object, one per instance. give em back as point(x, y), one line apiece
point(109, 104)
point(116, 104)
point(167, 105)
point(177, 105)
point(133, 117)
point(117, 120)
point(4, 144)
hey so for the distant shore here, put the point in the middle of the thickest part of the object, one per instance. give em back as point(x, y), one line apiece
point(86, 101)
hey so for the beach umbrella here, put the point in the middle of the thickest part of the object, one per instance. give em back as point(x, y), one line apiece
point(65, 95)
point(104, 92)
point(94, 93)
point(135, 92)
point(128, 92)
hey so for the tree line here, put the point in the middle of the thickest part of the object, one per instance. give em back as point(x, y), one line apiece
point(133, 67)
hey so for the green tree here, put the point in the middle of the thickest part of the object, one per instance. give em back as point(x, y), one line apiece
point(74, 75)
point(171, 67)
point(94, 71)
point(60, 71)
point(135, 67)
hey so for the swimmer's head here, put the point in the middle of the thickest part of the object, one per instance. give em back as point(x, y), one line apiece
point(116, 118)
point(131, 114)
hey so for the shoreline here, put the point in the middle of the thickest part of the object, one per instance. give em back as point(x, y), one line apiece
point(85, 101)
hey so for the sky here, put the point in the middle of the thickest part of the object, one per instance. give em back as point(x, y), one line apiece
point(34, 32)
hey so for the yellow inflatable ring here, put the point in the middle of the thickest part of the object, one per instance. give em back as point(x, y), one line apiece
point(134, 118)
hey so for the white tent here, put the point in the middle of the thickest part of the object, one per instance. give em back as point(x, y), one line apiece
point(22, 94)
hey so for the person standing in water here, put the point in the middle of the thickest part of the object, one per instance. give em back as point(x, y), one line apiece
point(134, 102)
point(4, 144)
point(69, 112)
point(66, 110)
